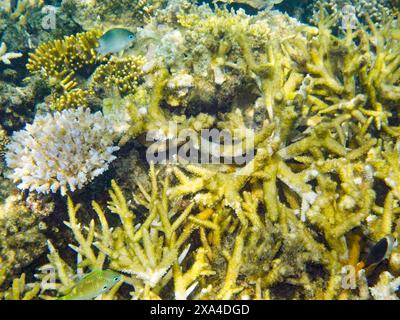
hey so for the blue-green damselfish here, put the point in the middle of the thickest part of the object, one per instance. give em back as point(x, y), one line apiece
point(92, 285)
point(115, 40)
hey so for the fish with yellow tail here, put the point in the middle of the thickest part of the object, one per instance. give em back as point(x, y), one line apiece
point(92, 285)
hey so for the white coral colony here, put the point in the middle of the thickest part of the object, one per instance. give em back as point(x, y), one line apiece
point(61, 151)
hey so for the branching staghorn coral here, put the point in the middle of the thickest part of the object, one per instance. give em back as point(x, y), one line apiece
point(321, 111)
point(150, 253)
point(5, 56)
point(19, 289)
point(22, 6)
point(321, 171)
point(130, 248)
point(377, 10)
point(61, 151)
point(340, 116)
point(205, 72)
point(72, 99)
point(386, 288)
point(21, 11)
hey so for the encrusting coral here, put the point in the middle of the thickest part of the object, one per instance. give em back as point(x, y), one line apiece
point(61, 151)
point(107, 13)
point(317, 114)
point(22, 230)
point(17, 102)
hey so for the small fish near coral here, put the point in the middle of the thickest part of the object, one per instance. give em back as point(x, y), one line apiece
point(115, 40)
point(257, 4)
point(93, 284)
point(378, 253)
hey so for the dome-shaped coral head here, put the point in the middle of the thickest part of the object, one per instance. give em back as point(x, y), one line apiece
point(61, 151)
point(115, 40)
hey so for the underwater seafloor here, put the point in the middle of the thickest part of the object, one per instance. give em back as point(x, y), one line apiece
point(173, 149)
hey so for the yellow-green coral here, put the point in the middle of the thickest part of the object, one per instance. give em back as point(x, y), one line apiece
point(22, 238)
point(61, 59)
point(302, 184)
point(150, 253)
point(70, 99)
point(122, 74)
point(19, 289)
point(318, 113)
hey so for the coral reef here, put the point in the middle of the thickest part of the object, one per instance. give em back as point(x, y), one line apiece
point(377, 10)
point(61, 151)
point(386, 288)
point(199, 47)
point(314, 114)
point(107, 13)
point(149, 252)
point(70, 99)
point(27, 23)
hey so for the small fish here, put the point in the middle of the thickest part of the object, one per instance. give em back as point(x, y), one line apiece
point(92, 285)
point(378, 253)
point(258, 4)
point(115, 40)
